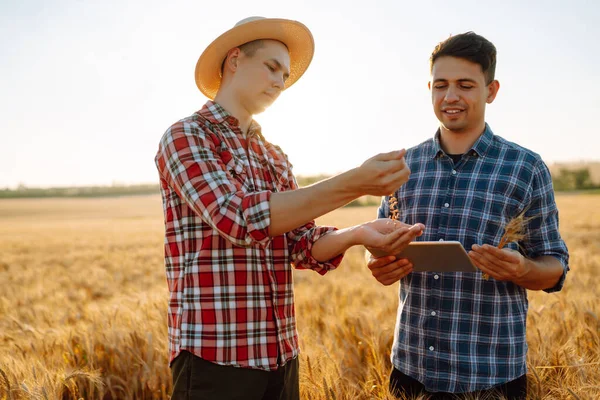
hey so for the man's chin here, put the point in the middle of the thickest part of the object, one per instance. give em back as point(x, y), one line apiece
point(456, 127)
point(260, 108)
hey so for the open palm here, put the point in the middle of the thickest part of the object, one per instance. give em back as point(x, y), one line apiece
point(385, 236)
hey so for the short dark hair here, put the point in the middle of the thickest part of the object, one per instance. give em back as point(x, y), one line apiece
point(250, 48)
point(471, 47)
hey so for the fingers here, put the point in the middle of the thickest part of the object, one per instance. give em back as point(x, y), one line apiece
point(496, 257)
point(488, 260)
point(380, 243)
point(495, 272)
point(499, 264)
point(384, 173)
point(394, 237)
point(397, 178)
point(386, 177)
point(419, 226)
point(378, 262)
point(388, 267)
point(483, 267)
point(388, 225)
point(392, 155)
point(396, 241)
point(406, 236)
point(501, 254)
point(392, 272)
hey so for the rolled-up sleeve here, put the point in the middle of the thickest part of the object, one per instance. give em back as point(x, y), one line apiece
point(188, 161)
point(543, 237)
point(302, 239)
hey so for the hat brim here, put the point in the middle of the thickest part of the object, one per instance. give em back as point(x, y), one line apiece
point(293, 34)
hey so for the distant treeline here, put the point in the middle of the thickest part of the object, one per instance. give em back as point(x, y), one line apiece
point(563, 179)
point(87, 191)
point(574, 179)
point(579, 179)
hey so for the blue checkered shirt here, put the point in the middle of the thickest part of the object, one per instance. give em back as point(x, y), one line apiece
point(456, 332)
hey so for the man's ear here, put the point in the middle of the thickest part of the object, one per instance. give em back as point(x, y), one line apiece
point(493, 88)
point(231, 61)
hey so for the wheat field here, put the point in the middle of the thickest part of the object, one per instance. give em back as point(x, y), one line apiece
point(83, 308)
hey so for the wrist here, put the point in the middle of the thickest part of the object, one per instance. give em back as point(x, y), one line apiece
point(353, 235)
point(351, 185)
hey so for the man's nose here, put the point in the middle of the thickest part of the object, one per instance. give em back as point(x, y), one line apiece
point(278, 82)
point(451, 95)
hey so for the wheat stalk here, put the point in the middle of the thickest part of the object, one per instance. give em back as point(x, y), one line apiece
point(7, 383)
point(514, 231)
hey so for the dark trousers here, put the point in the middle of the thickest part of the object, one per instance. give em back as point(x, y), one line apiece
point(404, 385)
point(198, 379)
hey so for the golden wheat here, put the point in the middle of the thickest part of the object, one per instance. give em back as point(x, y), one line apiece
point(393, 203)
point(83, 308)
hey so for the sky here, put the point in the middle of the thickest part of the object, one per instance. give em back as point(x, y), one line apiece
point(87, 88)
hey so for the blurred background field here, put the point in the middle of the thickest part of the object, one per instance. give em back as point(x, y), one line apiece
point(83, 307)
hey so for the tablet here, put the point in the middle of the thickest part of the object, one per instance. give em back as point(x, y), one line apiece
point(447, 256)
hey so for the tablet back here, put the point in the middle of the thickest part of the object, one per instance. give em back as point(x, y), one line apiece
point(449, 256)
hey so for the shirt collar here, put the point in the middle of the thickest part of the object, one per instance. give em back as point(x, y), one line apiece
point(479, 148)
point(216, 114)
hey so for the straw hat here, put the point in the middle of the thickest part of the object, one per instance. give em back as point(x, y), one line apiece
point(293, 34)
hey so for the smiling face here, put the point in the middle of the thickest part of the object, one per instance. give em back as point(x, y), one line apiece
point(459, 94)
point(259, 75)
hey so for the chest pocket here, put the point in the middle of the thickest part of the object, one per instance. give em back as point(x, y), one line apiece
point(235, 167)
point(493, 210)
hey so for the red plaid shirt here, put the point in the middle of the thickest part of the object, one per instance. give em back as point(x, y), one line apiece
point(231, 294)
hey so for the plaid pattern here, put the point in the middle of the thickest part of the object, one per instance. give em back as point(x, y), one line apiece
point(231, 299)
point(456, 332)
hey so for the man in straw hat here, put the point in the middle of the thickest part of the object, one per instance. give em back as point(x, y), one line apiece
point(235, 220)
point(465, 332)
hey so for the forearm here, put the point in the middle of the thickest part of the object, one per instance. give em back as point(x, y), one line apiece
point(334, 243)
point(543, 273)
point(292, 209)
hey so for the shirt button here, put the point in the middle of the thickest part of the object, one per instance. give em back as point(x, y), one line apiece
point(431, 348)
point(453, 172)
point(433, 313)
point(436, 277)
point(446, 205)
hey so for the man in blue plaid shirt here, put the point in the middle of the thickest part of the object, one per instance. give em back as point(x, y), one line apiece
point(459, 332)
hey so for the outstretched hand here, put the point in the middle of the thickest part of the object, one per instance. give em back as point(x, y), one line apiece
point(388, 237)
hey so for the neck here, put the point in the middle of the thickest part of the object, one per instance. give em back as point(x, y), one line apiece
point(459, 142)
point(231, 104)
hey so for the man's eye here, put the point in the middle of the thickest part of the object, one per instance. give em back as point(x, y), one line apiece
point(271, 68)
point(439, 86)
point(466, 87)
